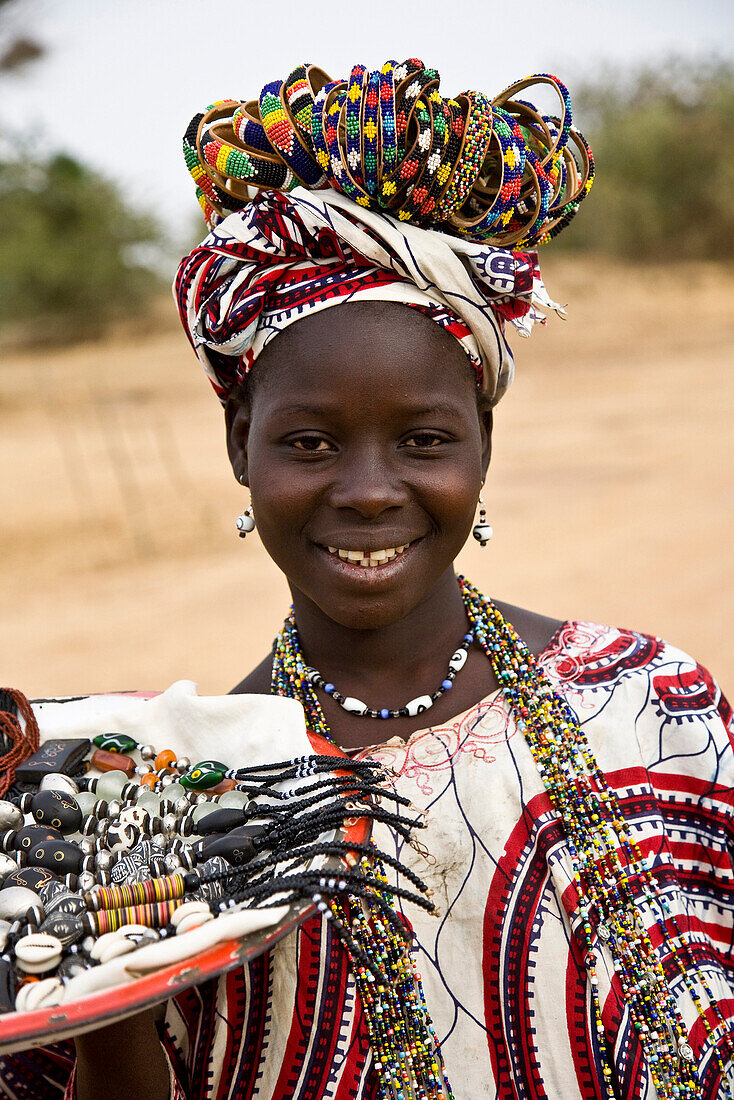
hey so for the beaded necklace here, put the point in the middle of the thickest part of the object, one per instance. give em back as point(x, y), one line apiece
point(617, 893)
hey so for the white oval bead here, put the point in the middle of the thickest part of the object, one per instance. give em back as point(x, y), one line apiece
point(482, 532)
point(7, 866)
point(354, 706)
point(48, 991)
point(458, 660)
point(15, 901)
point(245, 523)
point(10, 816)
point(55, 781)
point(417, 706)
point(37, 953)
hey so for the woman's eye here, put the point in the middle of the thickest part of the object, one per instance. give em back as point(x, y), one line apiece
point(424, 440)
point(311, 443)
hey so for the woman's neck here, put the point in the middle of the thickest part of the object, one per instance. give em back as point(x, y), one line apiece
point(415, 646)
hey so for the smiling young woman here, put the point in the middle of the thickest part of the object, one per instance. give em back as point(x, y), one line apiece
point(575, 779)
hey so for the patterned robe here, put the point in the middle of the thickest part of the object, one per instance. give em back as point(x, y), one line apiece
point(502, 968)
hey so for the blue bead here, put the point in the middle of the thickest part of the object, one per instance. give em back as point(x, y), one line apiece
point(328, 688)
point(384, 713)
point(446, 685)
point(469, 638)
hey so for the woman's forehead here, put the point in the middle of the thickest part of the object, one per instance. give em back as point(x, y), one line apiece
point(378, 350)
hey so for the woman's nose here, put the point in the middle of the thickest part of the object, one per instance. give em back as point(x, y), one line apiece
point(369, 484)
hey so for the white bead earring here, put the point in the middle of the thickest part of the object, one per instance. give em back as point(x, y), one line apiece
point(482, 531)
point(246, 522)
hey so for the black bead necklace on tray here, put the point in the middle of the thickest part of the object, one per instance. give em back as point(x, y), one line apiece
point(94, 867)
point(616, 890)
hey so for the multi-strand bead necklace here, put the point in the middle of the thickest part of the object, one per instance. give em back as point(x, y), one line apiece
point(618, 896)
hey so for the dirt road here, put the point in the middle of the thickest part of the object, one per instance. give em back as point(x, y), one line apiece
point(611, 492)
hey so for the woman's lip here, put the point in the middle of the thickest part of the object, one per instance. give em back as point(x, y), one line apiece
point(368, 572)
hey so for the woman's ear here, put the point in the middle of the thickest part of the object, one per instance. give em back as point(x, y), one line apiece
point(485, 425)
point(237, 421)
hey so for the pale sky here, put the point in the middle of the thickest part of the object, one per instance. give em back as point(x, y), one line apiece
point(123, 77)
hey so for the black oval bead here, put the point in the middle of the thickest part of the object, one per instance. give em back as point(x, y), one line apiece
point(32, 877)
point(220, 821)
point(30, 835)
point(57, 809)
point(65, 926)
point(236, 846)
point(58, 855)
point(58, 898)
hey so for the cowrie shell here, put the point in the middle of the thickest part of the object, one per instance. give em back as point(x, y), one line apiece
point(110, 945)
point(48, 991)
point(193, 920)
point(189, 908)
point(37, 953)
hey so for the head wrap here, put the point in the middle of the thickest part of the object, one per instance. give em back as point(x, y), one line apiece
point(375, 188)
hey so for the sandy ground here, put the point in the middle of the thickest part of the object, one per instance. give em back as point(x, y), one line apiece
point(611, 492)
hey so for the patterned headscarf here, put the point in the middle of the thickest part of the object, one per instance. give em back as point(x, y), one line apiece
point(375, 189)
point(284, 256)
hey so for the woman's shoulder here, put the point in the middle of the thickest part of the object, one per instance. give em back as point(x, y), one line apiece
point(596, 658)
point(256, 682)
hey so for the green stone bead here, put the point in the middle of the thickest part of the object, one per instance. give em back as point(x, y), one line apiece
point(205, 774)
point(115, 742)
point(85, 800)
point(173, 792)
point(233, 800)
point(203, 810)
point(110, 784)
point(149, 801)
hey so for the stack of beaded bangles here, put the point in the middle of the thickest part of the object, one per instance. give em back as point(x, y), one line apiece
point(488, 170)
point(94, 868)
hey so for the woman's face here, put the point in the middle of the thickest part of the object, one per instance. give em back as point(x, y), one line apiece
point(362, 435)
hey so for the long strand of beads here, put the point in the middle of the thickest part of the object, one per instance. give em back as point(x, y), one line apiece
point(614, 886)
point(606, 887)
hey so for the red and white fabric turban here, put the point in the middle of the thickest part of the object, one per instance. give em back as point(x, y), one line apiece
point(286, 255)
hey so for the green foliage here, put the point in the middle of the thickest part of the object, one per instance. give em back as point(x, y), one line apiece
point(663, 142)
point(73, 256)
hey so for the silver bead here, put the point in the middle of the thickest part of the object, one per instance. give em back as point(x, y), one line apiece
point(166, 780)
point(147, 752)
point(114, 807)
point(170, 825)
point(183, 764)
point(173, 863)
point(201, 797)
point(103, 861)
point(86, 881)
point(144, 769)
point(87, 845)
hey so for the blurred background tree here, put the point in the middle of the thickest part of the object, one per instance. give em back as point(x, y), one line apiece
point(73, 255)
point(663, 141)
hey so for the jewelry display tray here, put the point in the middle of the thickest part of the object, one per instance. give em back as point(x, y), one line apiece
point(239, 729)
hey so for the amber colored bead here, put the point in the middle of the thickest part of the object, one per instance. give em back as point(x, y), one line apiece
point(148, 780)
point(113, 761)
point(223, 787)
point(164, 759)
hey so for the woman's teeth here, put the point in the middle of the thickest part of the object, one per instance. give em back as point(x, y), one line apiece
point(369, 558)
